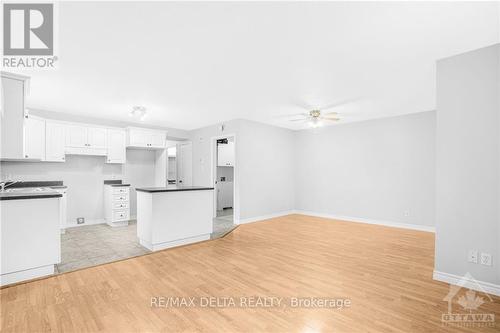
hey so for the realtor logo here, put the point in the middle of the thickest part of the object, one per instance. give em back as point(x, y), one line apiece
point(470, 302)
point(28, 29)
point(29, 36)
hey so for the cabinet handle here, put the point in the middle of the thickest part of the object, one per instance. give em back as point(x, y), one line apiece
point(25, 156)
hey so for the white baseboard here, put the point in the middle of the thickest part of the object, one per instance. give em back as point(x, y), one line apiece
point(487, 287)
point(263, 217)
point(87, 222)
point(175, 243)
point(368, 221)
point(28, 274)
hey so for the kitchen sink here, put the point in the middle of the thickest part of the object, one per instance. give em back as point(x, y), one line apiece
point(27, 189)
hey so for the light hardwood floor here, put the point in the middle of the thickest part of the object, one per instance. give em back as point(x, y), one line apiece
point(385, 272)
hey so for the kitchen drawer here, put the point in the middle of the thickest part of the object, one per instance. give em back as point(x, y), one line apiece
point(120, 215)
point(120, 205)
point(120, 190)
point(120, 197)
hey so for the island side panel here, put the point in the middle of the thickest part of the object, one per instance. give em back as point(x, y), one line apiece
point(145, 218)
point(181, 217)
point(30, 238)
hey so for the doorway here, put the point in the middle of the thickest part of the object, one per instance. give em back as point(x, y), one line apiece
point(224, 164)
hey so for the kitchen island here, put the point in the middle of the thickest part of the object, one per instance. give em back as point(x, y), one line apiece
point(174, 215)
point(29, 234)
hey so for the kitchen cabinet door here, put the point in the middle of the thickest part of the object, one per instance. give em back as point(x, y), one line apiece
point(54, 141)
point(116, 146)
point(34, 138)
point(12, 121)
point(76, 136)
point(138, 138)
point(96, 137)
point(157, 140)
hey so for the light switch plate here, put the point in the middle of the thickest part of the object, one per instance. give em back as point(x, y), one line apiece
point(472, 257)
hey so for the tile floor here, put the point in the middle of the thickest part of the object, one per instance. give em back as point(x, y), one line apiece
point(223, 223)
point(99, 243)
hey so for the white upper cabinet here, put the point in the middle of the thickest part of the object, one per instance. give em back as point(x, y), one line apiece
point(16, 128)
point(146, 138)
point(34, 138)
point(116, 146)
point(225, 154)
point(76, 136)
point(96, 137)
point(86, 140)
point(54, 141)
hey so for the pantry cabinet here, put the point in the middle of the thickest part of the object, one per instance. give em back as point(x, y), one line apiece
point(22, 136)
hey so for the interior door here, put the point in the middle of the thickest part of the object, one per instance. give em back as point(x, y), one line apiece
point(185, 164)
point(97, 137)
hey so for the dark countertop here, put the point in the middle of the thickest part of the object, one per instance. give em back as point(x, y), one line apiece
point(29, 195)
point(43, 183)
point(115, 183)
point(173, 188)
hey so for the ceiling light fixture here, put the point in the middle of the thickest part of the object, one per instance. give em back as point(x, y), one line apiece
point(138, 111)
point(315, 122)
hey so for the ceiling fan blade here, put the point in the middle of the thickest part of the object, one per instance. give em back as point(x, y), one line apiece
point(330, 119)
point(303, 119)
point(330, 114)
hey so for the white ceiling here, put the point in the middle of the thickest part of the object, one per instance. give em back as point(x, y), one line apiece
point(196, 64)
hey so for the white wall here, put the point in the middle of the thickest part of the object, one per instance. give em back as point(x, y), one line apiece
point(377, 169)
point(84, 176)
point(468, 162)
point(264, 172)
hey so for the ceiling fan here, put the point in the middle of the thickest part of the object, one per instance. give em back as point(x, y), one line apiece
point(317, 117)
point(314, 117)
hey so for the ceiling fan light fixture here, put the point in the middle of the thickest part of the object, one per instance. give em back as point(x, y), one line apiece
point(315, 123)
point(138, 111)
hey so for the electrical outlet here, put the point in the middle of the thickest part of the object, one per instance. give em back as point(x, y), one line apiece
point(80, 220)
point(472, 256)
point(485, 259)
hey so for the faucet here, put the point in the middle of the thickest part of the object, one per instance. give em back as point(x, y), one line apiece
point(6, 184)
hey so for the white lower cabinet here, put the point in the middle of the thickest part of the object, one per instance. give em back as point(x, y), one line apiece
point(117, 204)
